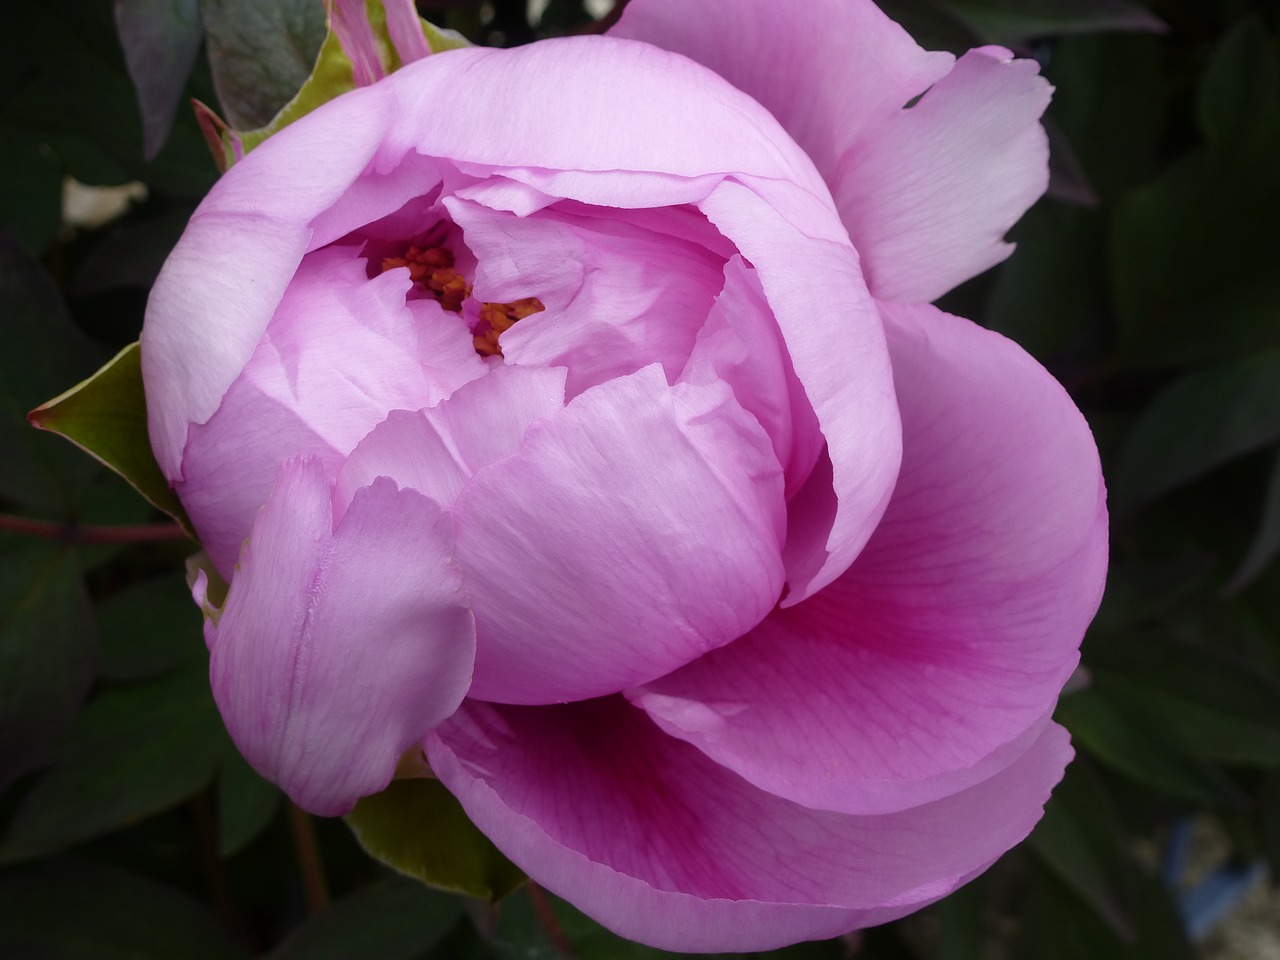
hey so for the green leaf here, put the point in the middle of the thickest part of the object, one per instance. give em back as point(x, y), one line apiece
point(1201, 421)
point(417, 827)
point(77, 910)
point(261, 52)
point(1044, 298)
point(30, 191)
point(1124, 737)
point(1110, 101)
point(1240, 91)
point(106, 416)
point(1015, 21)
point(1055, 925)
point(47, 650)
point(148, 629)
point(131, 255)
point(960, 924)
point(43, 352)
point(1266, 542)
point(1216, 705)
point(246, 804)
point(1192, 258)
point(1081, 840)
point(132, 751)
point(160, 39)
point(394, 919)
point(333, 76)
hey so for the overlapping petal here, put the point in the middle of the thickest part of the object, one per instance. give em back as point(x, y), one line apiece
point(825, 68)
point(929, 193)
point(633, 531)
point(926, 192)
point(833, 334)
point(340, 352)
point(938, 656)
point(338, 649)
point(438, 450)
point(227, 275)
point(665, 846)
point(618, 296)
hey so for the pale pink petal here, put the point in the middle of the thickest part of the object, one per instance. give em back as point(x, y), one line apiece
point(349, 21)
point(617, 296)
point(340, 352)
point(930, 192)
point(740, 345)
point(941, 652)
point(926, 193)
point(662, 845)
point(405, 30)
point(207, 310)
point(216, 294)
point(337, 650)
point(437, 450)
point(825, 68)
point(833, 334)
point(624, 99)
point(634, 530)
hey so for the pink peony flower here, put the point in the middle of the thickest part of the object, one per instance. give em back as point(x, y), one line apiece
point(575, 414)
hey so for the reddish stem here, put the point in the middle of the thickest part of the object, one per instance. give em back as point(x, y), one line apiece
point(550, 923)
point(315, 889)
point(77, 533)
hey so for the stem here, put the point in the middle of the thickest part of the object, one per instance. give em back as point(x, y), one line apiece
point(315, 889)
point(215, 870)
point(75, 533)
point(547, 916)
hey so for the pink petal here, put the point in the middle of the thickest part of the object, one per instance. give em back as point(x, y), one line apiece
point(338, 650)
point(436, 451)
point(633, 531)
point(218, 291)
point(618, 296)
point(340, 352)
point(223, 281)
point(929, 193)
point(825, 68)
point(740, 344)
point(940, 654)
point(405, 30)
point(833, 334)
point(349, 20)
point(624, 99)
point(663, 846)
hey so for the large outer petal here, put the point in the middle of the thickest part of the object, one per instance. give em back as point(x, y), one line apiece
point(633, 531)
point(216, 294)
point(940, 653)
point(926, 193)
point(662, 845)
point(337, 650)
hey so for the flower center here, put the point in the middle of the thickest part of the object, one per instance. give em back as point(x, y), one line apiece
point(432, 271)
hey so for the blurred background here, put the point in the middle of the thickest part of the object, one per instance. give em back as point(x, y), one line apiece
point(1148, 281)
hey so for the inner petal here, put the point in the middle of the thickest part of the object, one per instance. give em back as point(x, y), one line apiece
point(619, 294)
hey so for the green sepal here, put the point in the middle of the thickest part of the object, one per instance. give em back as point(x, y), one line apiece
point(331, 77)
point(416, 826)
point(106, 416)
